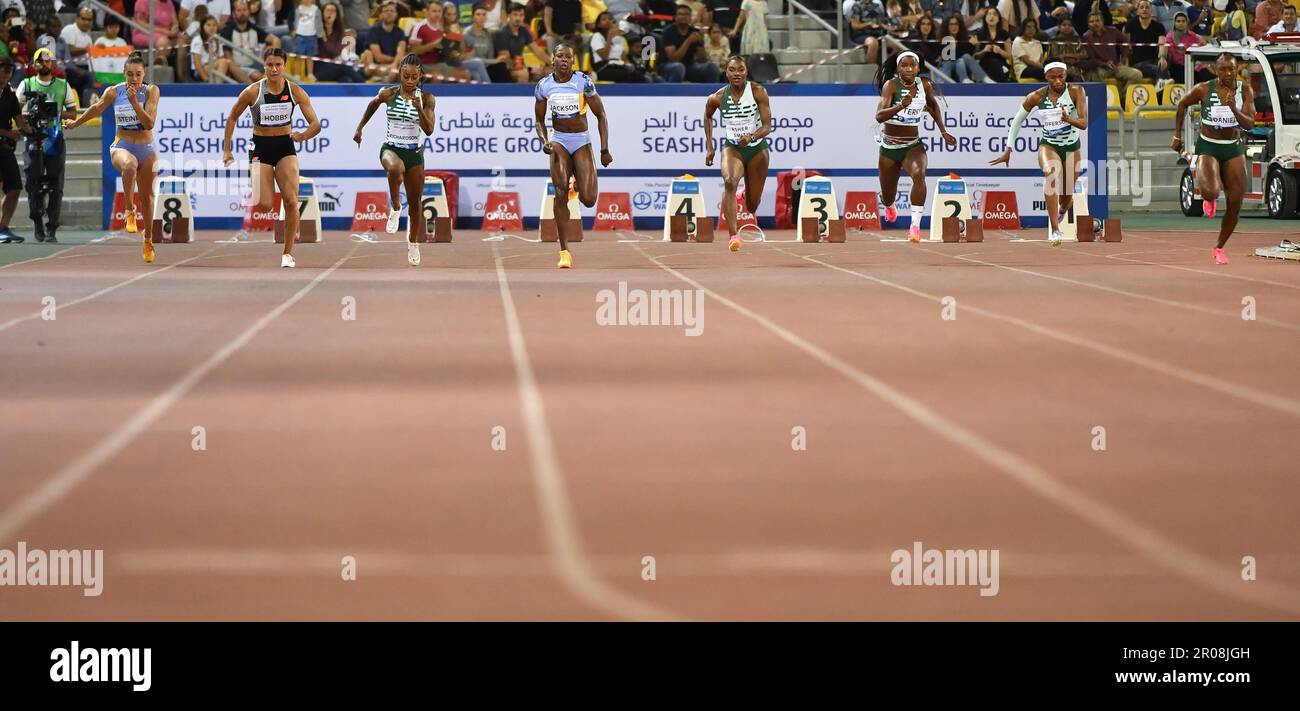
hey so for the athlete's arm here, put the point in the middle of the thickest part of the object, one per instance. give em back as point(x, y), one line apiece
point(246, 98)
point(384, 96)
point(426, 113)
point(1246, 114)
point(1033, 99)
point(598, 108)
point(884, 111)
point(932, 108)
point(539, 113)
point(1080, 107)
point(149, 111)
point(105, 100)
point(710, 107)
point(764, 113)
point(304, 103)
point(1195, 96)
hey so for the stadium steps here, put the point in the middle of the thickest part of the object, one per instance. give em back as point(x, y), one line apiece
point(799, 41)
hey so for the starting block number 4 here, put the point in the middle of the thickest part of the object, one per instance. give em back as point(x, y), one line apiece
point(819, 212)
point(172, 216)
point(437, 217)
point(687, 218)
point(309, 229)
point(951, 201)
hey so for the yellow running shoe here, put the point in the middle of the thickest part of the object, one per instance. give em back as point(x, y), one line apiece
point(566, 259)
point(148, 252)
point(130, 222)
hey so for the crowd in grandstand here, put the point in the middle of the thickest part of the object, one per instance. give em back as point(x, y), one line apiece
point(503, 41)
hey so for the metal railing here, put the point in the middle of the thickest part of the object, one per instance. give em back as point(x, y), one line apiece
point(837, 30)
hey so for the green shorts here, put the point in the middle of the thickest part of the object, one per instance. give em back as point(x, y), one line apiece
point(411, 157)
point(746, 153)
point(1223, 152)
point(1063, 151)
point(898, 154)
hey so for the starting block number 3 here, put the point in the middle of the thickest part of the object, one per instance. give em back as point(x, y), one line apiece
point(819, 212)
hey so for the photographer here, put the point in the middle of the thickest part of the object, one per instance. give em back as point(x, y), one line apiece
point(11, 125)
point(46, 101)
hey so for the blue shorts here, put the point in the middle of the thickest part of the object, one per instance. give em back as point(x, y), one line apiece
point(304, 44)
point(571, 141)
point(141, 151)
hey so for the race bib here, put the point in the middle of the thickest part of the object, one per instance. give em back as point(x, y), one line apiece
point(915, 107)
point(1053, 123)
point(1222, 117)
point(276, 114)
point(125, 116)
point(402, 134)
point(564, 105)
point(740, 126)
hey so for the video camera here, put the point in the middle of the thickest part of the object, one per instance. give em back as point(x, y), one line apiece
point(41, 111)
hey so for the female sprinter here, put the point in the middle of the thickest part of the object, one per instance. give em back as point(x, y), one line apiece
point(566, 94)
point(135, 107)
point(1063, 109)
point(747, 119)
point(274, 159)
point(409, 110)
point(903, 100)
point(1227, 106)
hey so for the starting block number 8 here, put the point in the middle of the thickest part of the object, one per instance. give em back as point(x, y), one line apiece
point(172, 216)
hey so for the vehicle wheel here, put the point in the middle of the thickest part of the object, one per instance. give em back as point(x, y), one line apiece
point(1187, 195)
point(1280, 194)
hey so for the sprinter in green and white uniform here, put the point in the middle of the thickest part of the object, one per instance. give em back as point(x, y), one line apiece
point(1063, 111)
point(409, 113)
point(1227, 107)
point(904, 99)
point(746, 121)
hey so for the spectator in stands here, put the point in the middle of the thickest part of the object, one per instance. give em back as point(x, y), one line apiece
point(1179, 39)
point(1267, 14)
point(896, 23)
point(1066, 47)
point(331, 47)
point(562, 20)
point(698, 10)
point(1200, 18)
point(1146, 41)
point(454, 51)
point(717, 47)
point(972, 11)
point(195, 25)
point(910, 11)
point(1027, 52)
point(206, 60)
point(1015, 12)
point(39, 11)
point(219, 9)
point(478, 39)
point(941, 10)
point(620, 9)
point(533, 10)
point(1164, 10)
point(167, 33)
point(386, 43)
point(609, 52)
point(513, 40)
point(48, 38)
point(924, 40)
point(1085, 8)
point(1288, 23)
point(958, 53)
point(112, 36)
point(680, 42)
point(308, 30)
point(867, 26)
point(494, 15)
point(751, 25)
point(77, 39)
point(1107, 51)
point(993, 50)
point(18, 42)
point(1233, 26)
point(244, 35)
point(356, 15)
point(433, 42)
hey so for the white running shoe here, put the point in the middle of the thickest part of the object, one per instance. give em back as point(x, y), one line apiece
point(413, 254)
point(286, 261)
point(1056, 238)
point(394, 217)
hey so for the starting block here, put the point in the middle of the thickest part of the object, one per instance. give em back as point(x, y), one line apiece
point(501, 212)
point(172, 216)
point(1286, 249)
point(861, 211)
point(686, 218)
point(309, 229)
point(952, 201)
point(953, 229)
point(819, 213)
point(433, 205)
point(613, 212)
point(549, 228)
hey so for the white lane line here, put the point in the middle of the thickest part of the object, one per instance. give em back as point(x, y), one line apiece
point(111, 288)
point(560, 525)
point(1234, 313)
point(1206, 380)
point(51, 490)
point(52, 255)
point(1206, 572)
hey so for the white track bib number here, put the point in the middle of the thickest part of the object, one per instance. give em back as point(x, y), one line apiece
point(564, 105)
point(1053, 123)
point(402, 134)
point(276, 114)
point(1222, 117)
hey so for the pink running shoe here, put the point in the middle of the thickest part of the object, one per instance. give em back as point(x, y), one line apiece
point(734, 243)
point(1220, 257)
point(1210, 207)
point(914, 233)
point(891, 214)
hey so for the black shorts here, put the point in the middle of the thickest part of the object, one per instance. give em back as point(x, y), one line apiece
point(270, 149)
point(13, 178)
